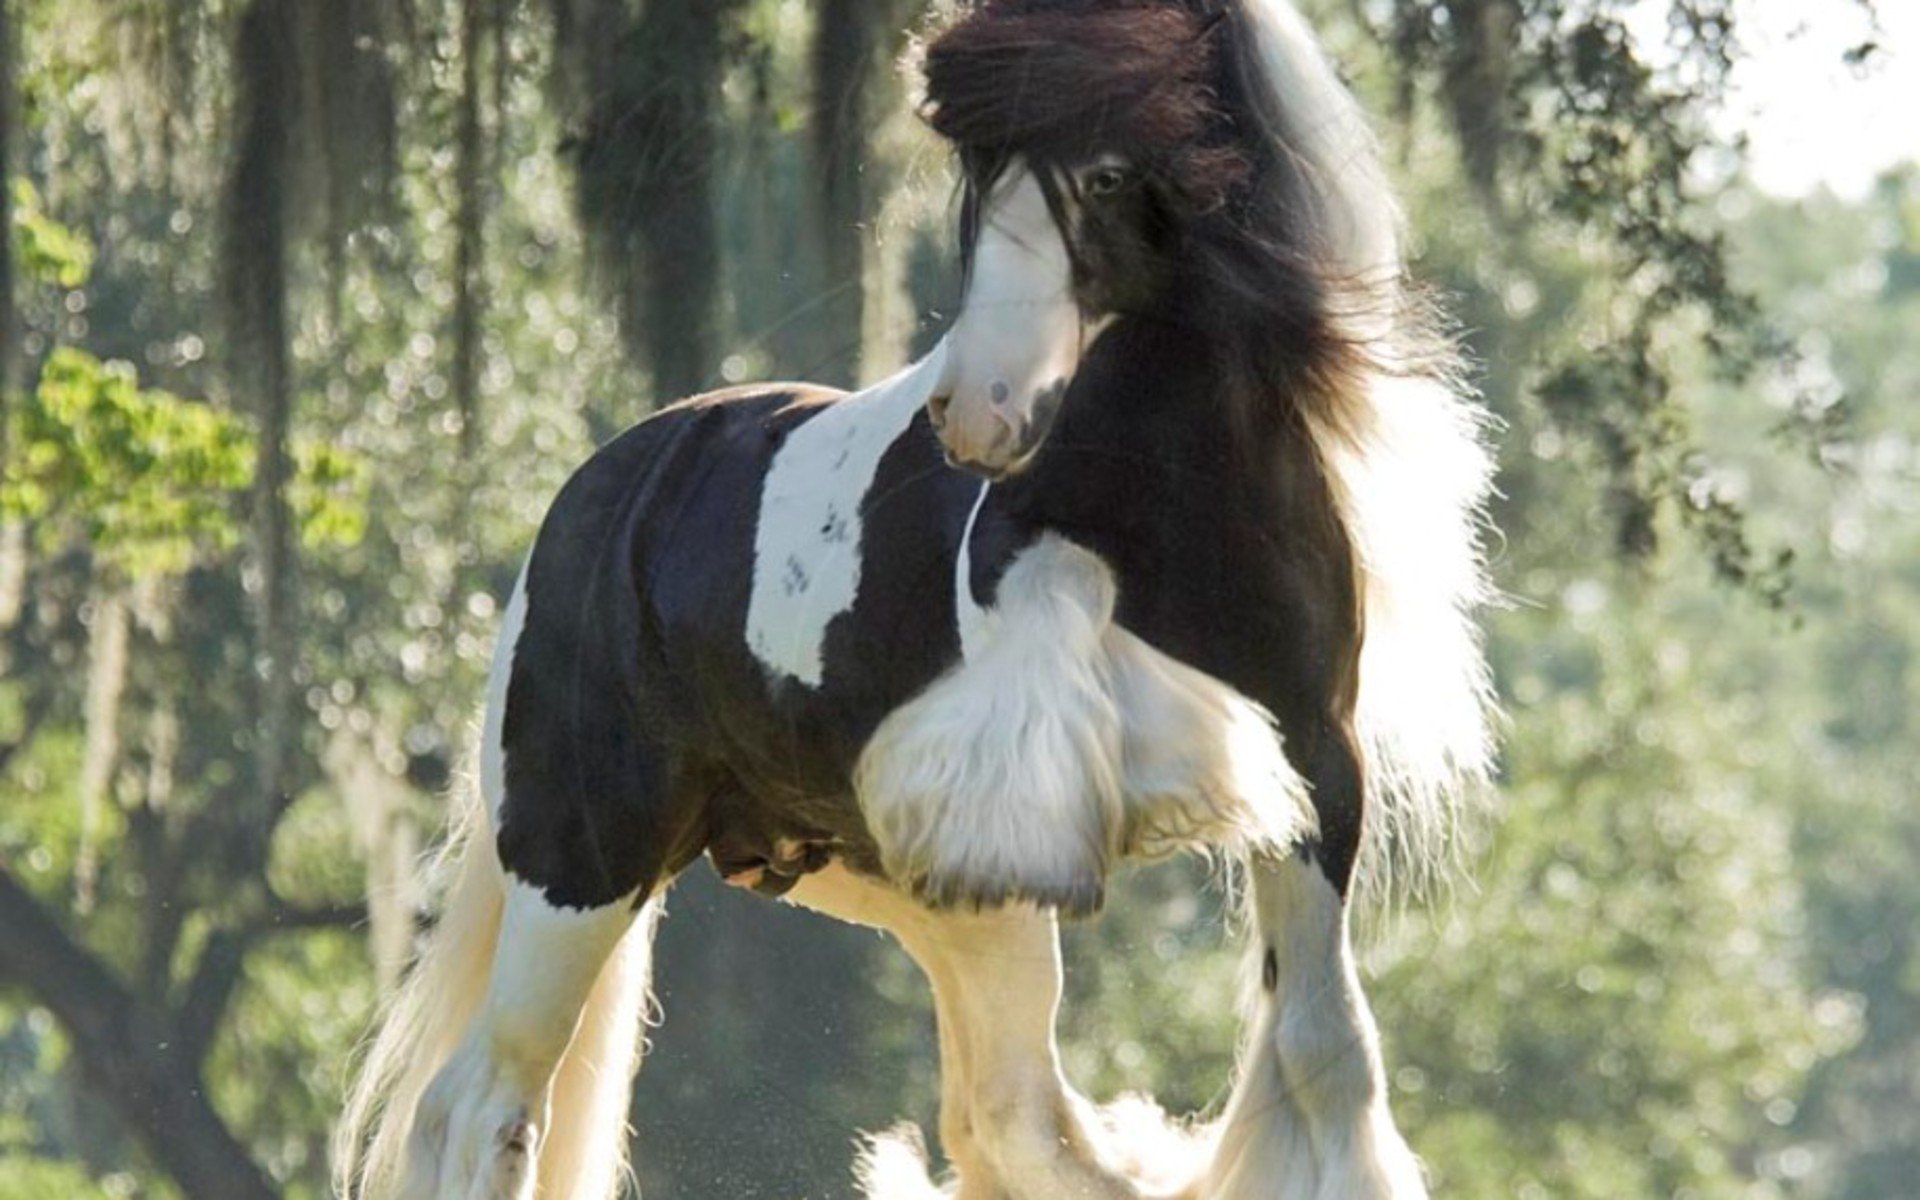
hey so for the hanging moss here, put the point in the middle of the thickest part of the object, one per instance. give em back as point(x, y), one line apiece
point(646, 156)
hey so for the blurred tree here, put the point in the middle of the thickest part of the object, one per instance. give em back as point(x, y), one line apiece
point(12, 557)
point(647, 156)
point(1694, 908)
point(9, 335)
point(481, 30)
point(856, 44)
point(1841, 274)
point(1565, 121)
point(147, 485)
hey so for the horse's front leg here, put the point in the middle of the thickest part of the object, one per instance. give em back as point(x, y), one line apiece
point(1308, 1117)
point(1001, 782)
point(1026, 1126)
point(1011, 1125)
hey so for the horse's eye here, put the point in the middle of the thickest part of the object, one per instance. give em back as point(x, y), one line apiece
point(1105, 181)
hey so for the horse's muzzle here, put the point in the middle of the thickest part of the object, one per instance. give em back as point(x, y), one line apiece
point(995, 439)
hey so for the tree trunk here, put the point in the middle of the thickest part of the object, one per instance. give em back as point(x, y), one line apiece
point(106, 687)
point(9, 323)
point(256, 278)
point(845, 43)
point(856, 44)
point(647, 161)
point(13, 541)
point(130, 1052)
point(376, 804)
point(681, 292)
point(469, 229)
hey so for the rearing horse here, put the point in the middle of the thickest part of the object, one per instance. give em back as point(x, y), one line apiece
point(1172, 542)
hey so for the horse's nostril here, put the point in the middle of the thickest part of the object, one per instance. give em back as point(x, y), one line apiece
point(937, 411)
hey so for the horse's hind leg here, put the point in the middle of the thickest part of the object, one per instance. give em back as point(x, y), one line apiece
point(1308, 1118)
point(535, 1096)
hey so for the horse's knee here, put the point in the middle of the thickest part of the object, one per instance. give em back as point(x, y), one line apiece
point(957, 1134)
point(1030, 1135)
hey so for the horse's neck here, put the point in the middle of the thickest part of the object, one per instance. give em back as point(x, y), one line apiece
point(1153, 405)
point(1219, 521)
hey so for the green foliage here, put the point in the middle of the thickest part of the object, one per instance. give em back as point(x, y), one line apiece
point(145, 478)
point(1637, 945)
point(45, 250)
point(280, 1066)
point(24, 1178)
point(40, 821)
point(1561, 112)
point(150, 481)
point(1689, 964)
point(1153, 988)
point(329, 495)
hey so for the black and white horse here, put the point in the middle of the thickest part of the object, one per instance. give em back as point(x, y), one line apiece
point(1171, 543)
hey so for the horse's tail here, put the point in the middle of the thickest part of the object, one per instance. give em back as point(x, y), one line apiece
point(584, 1154)
point(424, 1020)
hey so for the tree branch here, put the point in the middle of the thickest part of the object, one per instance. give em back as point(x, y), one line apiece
point(221, 966)
point(204, 1006)
point(289, 918)
point(130, 1054)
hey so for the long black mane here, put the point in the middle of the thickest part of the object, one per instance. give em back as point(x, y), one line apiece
point(1176, 87)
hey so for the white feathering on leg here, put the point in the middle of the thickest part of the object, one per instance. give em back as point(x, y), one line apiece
point(1062, 743)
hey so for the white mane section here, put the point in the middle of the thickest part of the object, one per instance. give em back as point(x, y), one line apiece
point(1411, 485)
point(1328, 135)
point(806, 547)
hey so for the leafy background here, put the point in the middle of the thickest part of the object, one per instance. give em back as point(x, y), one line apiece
point(308, 306)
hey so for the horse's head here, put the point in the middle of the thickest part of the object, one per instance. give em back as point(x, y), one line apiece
point(1055, 250)
point(1190, 159)
point(1069, 116)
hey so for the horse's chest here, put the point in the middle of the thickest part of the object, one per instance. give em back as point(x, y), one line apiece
point(886, 659)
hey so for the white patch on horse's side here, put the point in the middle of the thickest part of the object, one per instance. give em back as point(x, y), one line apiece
point(970, 620)
point(1062, 742)
point(493, 750)
point(806, 547)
